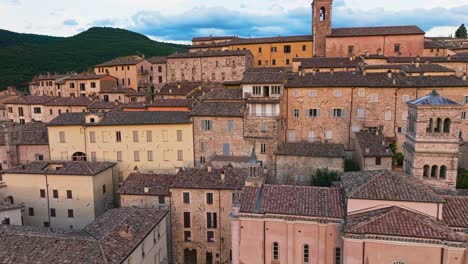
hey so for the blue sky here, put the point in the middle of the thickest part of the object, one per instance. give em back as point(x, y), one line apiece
point(180, 20)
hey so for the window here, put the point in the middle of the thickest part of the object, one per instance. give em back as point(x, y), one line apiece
point(207, 124)
point(230, 125)
point(264, 127)
point(263, 147)
point(70, 213)
point(338, 93)
point(350, 50)
point(397, 48)
point(187, 220)
point(337, 255)
point(465, 99)
point(103, 188)
point(378, 161)
point(42, 193)
point(292, 136)
point(180, 155)
point(135, 136)
point(388, 115)
point(72, 85)
point(287, 48)
point(257, 90)
point(161, 200)
point(31, 211)
point(338, 112)
point(52, 212)
point(202, 160)
point(313, 93)
point(296, 93)
point(275, 90)
point(235, 198)
point(37, 110)
point(362, 92)
point(55, 194)
point(273, 62)
point(305, 254)
point(10, 109)
point(209, 198)
point(62, 136)
point(314, 112)
point(260, 50)
point(69, 194)
point(150, 155)
point(187, 236)
point(311, 136)
point(119, 156)
point(179, 135)
point(136, 155)
point(329, 135)
point(287, 61)
point(275, 251)
point(93, 85)
point(22, 122)
point(92, 137)
point(274, 49)
point(6, 221)
point(361, 113)
point(443, 172)
point(295, 113)
point(259, 63)
point(304, 47)
point(210, 236)
point(82, 87)
point(46, 224)
point(211, 220)
point(93, 156)
point(186, 197)
point(149, 136)
point(405, 98)
point(374, 98)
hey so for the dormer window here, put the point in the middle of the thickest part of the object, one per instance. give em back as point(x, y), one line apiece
point(92, 120)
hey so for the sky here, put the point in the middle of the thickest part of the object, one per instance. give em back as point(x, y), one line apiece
point(180, 20)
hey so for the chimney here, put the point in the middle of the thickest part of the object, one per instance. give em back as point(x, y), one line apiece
point(379, 52)
point(449, 57)
point(364, 72)
point(126, 232)
point(367, 150)
point(350, 58)
point(146, 189)
point(170, 91)
point(417, 64)
point(464, 77)
point(394, 81)
point(383, 143)
point(178, 86)
point(332, 71)
point(389, 74)
point(209, 168)
point(223, 176)
point(367, 54)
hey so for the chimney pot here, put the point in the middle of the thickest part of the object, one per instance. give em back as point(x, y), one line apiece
point(389, 74)
point(367, 53)
point(223, 176)
point(146, 189)
point(464, 77)
point(367, 150)
point(209, 168)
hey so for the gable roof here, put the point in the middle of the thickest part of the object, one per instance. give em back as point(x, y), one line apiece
point(88, 76)
point(455, 211)
point(433, 99)
point(85, 168)
point(70, 101)
point(376, 31)
point(396, 221)
point(202, 178)
point(293, 200)
point(31, 100)
point(211, 53)
point(275, 75)
point(225, 109)
point(324, 62)
point(387, 185)
point(121, 61)
point(157, 60)
point(223, 94)
point(158, 184)
point(373, 142)
point(32, 133)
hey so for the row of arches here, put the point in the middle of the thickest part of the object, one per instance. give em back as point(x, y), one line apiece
point(435, 172)
point(439, 126)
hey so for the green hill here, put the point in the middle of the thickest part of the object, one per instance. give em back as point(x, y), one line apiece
point(24, 55)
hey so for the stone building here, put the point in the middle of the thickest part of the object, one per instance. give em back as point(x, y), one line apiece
point(61, 194)
point(208, 66)
point(295, 163)
point(144, 142)
point(85, 84)
point(432, 140)
point(144, 190)
point(185, 90)
point(370, 217)
point(123, 235)
point(122, 95)
point(372, 152)
point(201, 203)
point(159, 71)
point(47, 84)
point(23, 143)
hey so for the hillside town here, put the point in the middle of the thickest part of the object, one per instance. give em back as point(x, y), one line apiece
point(344, 146)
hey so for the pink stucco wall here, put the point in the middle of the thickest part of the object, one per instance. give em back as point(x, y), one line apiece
point(358, 205)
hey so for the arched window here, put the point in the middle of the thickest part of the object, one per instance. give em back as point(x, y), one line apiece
point(323, 13)
point(443, 172)
point(426, 171)
point(306, 254)
point(430, 126)
point(275, 251)
point(79, 156)
point(434, 171)
point(438, 128)
point(447, 123)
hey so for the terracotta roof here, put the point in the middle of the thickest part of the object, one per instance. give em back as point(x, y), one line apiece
point(101, 105)
point(223, 95)
point(226, 109)
point(279, 39)
point(265, 75)
point(201, 178)
point(31, 100)
point(158, 184)
point(171, 103)
point(50, 77)
point(455, 211)
point(70, 101)
point(183, 88)
point(157, 60)
point(311, 150)
point(88, 76)
point(121, 61)
point(387, 185)
point(33, 133)
point(134, 105)
point(209, 38)
point(396, 221)
point(322, 62)
point(358, 79)
point(117, 89)
point(61, 168)
point(293, 200)
point(123, 118)
point(374, 143)
point(433, 99)
point(376, 31)
point(211, 53)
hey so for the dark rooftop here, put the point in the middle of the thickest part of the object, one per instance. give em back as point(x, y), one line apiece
point(433, 99)
point(88, 76)
point(202, 178)
point(374, 143)
point(387, 185)
point(101, 105)
point(157, 60)
point(311, 150)
point(223, 95)
point(33, 133)
point(226, 109)
point(70, 101)
point(293, 200)
point(455, 211)
point(31, 100)
point(61, 168)
point(265, 75)
point(376, 31)
point(171, 103)
point(121, 61)
point(212, 53)
point(424, 67)
point(279, 39)
point(319, 62)
point(157, 184)
point(117, 89)
point(233, 159)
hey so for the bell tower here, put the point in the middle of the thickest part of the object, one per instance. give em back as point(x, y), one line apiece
point(321, 25)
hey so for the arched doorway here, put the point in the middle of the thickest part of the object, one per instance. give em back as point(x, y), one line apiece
point(79, 156)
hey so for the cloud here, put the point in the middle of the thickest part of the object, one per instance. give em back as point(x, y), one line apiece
point(70, 22)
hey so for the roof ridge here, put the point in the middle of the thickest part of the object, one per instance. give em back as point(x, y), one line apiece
point(373, 219)
point(366, 183)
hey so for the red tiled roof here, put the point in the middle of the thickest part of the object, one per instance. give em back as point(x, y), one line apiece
point(121, 61)
point(88, 76)
point(376, 144)
point(376, 31)
point(396, 221)
point(306, 149)
point(201, 178)
point(293, 200)
point(319, 62)
point(70, 101)
point(455, 211)
point(32, 100)
point(158, 184)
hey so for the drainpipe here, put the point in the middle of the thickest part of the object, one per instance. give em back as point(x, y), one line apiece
point(395, 115)
point(48, 200)
point(350, 118)
point(264, 243)
point(364, 252)
point(442, 255)
point(220, 229)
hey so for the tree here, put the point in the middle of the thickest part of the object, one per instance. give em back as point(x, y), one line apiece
point(324, 177)
point(461, 32)
point(462, 179)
